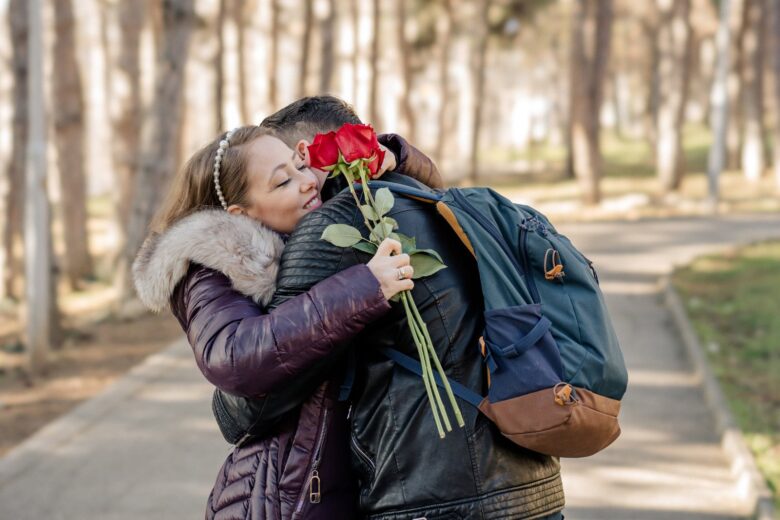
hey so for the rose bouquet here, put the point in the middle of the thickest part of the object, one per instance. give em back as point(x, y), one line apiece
point(354, 152)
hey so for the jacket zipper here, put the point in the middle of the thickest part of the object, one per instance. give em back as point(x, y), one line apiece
point(313, 482)
point(526, 267)
point(363, 454)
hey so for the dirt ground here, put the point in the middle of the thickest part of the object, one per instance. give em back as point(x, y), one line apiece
point(91, 357)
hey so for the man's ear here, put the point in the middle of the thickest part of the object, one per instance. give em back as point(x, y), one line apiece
point(302, 148)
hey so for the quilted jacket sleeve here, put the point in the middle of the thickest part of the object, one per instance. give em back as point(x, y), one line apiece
point(247, 352)
point(412, 162)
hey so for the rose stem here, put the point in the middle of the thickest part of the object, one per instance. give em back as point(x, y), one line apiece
point(426, 362)
point(421, 353)
point(447, 388)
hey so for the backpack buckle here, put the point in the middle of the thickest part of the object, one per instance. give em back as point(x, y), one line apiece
point(555, 272)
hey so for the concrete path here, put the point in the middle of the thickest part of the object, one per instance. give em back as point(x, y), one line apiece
point(148, 447)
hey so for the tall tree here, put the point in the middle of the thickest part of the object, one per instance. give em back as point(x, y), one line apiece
point(162, 131)
point(373, 92)
point(308, 23)
point(68, 114)
point(18, 24)
point(719, 113)
point(354, 14)
point(753, 151)
point(129, 17)
point(273, 55)
point(41, 301)
point(327, 61)
point(775, 8)
point(478, 99)
point(219, 68)
point(405, 52)
point(590, 46)
point(734, 130)
point(674, 55)
point(444, 29)
point(241, 15)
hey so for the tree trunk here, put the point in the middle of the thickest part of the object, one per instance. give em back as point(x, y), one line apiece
point(40, 299)
point(478, 101)
point(753, 151)
point(68, 114)
point(775, 7)
point(327, 61)
point(444, 30)
point(406, 72)
point(308, 22)
point(240, 11)
point(14, 203)
point(590, 53)
point(734, 130)
point(161, 135)
point(126, 115)
point(273, 58)
point(219, 69)
point(674, 51)
point(354, 10)
point(373, 108)
point(650, 31)
point(720, 103)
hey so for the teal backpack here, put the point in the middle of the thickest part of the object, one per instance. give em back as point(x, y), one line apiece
point(554, 367)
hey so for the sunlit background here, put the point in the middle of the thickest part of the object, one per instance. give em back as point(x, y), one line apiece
point(589, 110)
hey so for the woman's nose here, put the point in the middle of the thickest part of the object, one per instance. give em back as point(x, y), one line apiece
point(308, 180)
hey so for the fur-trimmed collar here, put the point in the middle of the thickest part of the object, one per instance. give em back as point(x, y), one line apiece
point(238, 246)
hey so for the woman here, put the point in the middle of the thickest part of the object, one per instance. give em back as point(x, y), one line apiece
point(216, 269)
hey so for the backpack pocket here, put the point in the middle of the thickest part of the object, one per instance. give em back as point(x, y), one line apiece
point(521, 352)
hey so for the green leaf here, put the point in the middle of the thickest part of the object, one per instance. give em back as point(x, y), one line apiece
point(409, 244)
point(381, 231)
point(366, 247)
point(425, 265)
point(341, 235)
point(429, 252)
point(329, 168)
point(369, 212)
point(384, 201)
point(390, 221)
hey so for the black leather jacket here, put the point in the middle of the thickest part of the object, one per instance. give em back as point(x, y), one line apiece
point(405, 470)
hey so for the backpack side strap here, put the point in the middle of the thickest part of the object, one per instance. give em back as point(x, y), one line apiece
point(414, 366)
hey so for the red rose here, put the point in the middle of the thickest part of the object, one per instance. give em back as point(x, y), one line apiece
point(360, 142)
point(324, 151)
point(356, 142)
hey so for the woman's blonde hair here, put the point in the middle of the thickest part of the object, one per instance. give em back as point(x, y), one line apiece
point(193, 187)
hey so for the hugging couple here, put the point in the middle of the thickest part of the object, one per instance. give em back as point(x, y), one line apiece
point(289, 329)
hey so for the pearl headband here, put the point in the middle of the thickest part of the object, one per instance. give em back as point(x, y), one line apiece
point(223, 146)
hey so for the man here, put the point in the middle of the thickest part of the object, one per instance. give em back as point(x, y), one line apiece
point(405, 470)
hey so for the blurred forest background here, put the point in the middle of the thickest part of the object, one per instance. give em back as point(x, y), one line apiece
point(584, 108)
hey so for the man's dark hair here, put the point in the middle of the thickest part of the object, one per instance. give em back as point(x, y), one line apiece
point(307, 117)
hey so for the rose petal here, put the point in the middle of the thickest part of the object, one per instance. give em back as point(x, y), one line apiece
point(323, 151)
point(356, 141)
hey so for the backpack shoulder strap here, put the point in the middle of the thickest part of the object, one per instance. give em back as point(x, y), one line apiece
point(414, 366)
point(402, 189)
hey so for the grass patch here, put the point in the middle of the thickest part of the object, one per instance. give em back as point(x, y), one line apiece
point(734, 302)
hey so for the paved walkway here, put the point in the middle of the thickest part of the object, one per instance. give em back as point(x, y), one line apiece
point(148, 447)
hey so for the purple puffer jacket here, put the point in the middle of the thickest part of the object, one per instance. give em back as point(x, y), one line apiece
point(217, 272)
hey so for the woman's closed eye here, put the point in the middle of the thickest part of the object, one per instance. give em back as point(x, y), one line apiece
point(284, 182)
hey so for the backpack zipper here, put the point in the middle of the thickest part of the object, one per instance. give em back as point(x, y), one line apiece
point(314, 479)
point(526, 267)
